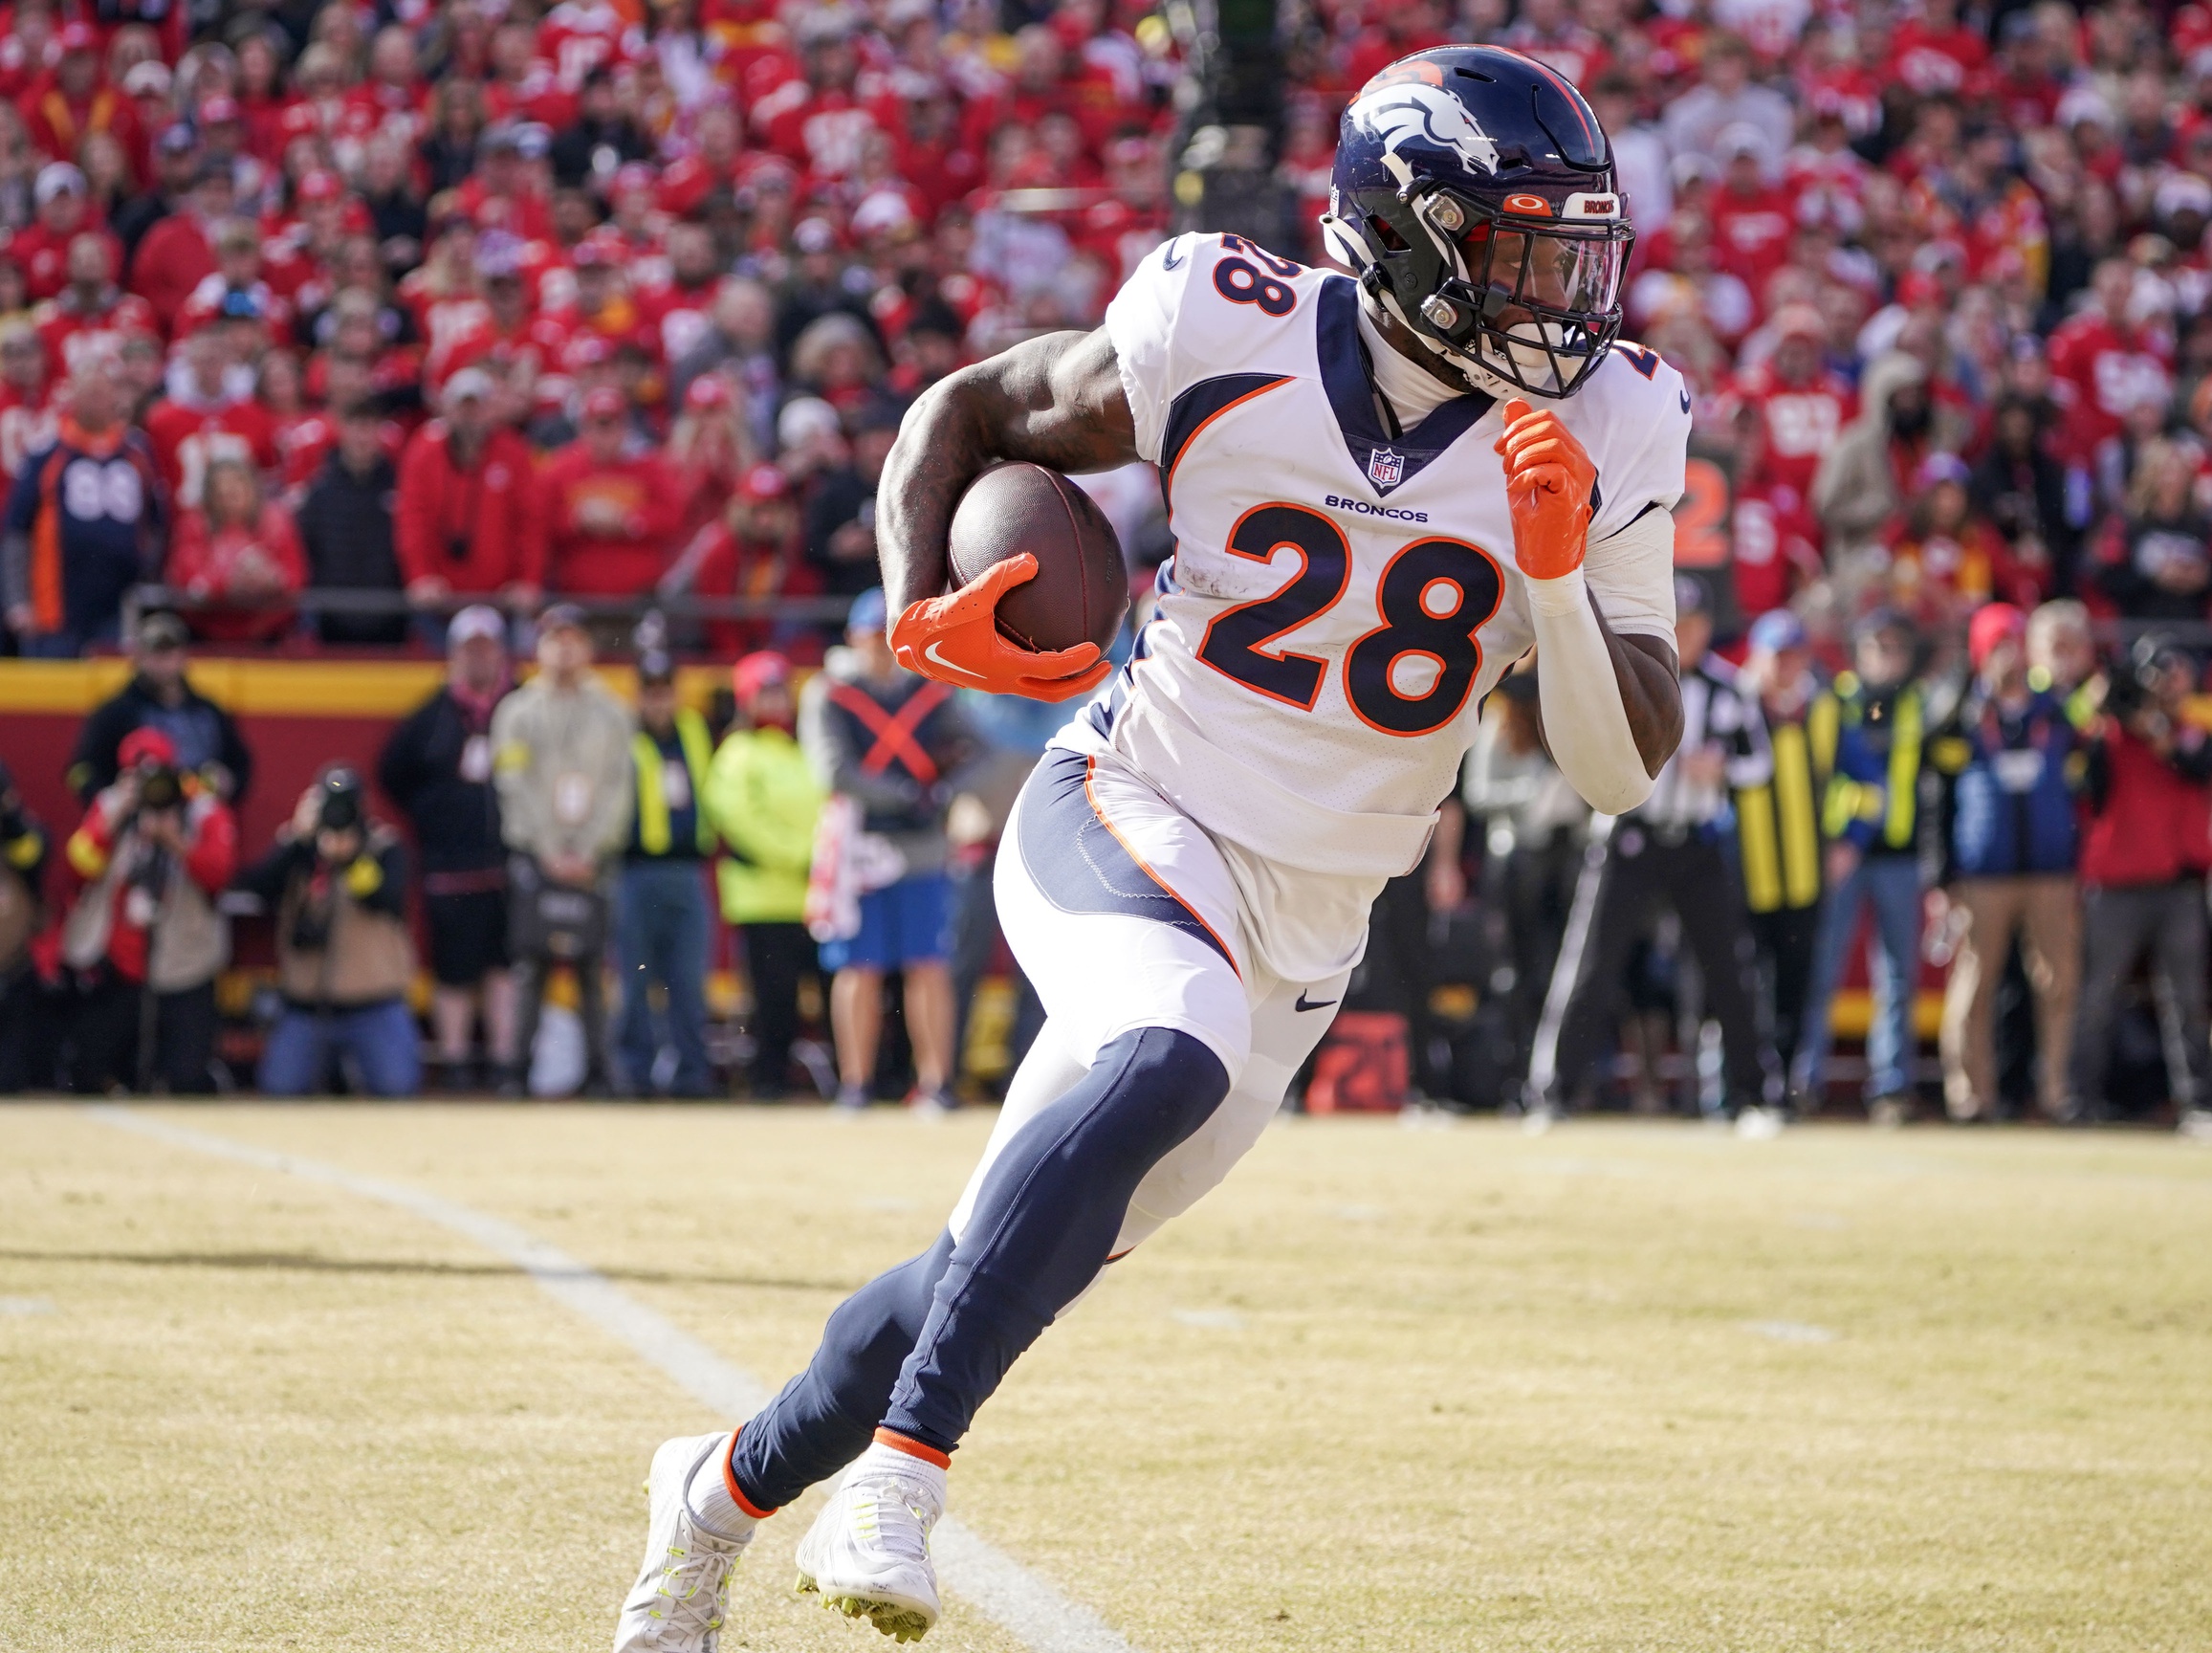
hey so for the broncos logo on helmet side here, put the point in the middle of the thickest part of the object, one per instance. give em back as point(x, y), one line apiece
point(1411, 112)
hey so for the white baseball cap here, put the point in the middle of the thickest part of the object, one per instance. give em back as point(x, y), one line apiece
point(469, 382)
point(477, 620)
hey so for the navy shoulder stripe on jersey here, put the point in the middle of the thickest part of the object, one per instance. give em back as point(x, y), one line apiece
point(1352, 394)
point(1080, 865)
point(1199, 406)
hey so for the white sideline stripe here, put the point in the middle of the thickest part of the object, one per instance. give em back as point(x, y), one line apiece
point(1007, 1592)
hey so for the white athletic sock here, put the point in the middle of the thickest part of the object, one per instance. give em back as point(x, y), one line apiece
point(710, 1502)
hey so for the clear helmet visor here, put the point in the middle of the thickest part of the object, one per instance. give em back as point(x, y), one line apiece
point(1549, 299)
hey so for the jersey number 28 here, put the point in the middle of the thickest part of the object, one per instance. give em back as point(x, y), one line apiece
point(1433, 596)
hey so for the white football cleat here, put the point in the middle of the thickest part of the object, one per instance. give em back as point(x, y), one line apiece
point(867, 1553)
point(682, 1589)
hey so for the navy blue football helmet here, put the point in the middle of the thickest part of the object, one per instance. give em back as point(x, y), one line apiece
point(1476, 199)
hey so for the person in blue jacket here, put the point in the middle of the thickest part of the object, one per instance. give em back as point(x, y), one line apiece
point(2012, 763)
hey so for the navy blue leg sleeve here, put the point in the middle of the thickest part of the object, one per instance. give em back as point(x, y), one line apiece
point(1045, 1219)
point(827, 1416)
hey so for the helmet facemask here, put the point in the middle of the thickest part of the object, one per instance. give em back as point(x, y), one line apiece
point(1526, 299)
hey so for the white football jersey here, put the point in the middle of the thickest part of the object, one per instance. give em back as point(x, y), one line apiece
point(1339, 599)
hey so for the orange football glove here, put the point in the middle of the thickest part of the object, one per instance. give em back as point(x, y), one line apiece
point(1548, 478)
point(955, 639)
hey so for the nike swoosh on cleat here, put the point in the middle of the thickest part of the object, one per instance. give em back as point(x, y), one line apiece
point(1303, 1004)
point(934, 658)
point(1168, 258)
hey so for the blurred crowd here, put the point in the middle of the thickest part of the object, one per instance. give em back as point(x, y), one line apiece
point(492, 301)
point(472, 308)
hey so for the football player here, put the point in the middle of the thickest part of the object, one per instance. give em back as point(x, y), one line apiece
point(1384, 489)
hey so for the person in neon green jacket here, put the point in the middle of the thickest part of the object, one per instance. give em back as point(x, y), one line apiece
point(763, 797)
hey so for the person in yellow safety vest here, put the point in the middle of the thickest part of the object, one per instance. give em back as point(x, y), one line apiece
point(663, 922)
point(1778, 822)
point(763, 796)
point(1872, 818)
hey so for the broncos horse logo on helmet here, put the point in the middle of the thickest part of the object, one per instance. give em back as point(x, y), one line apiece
point(1476, 199)
point(1411, 112)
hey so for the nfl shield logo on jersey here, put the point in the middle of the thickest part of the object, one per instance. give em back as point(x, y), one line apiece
point(1386, 467)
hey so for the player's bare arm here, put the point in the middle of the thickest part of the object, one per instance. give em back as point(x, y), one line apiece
point(1650, 680)
point(1055, 400)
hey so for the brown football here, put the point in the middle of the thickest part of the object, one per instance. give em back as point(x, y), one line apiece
point(1082, 587)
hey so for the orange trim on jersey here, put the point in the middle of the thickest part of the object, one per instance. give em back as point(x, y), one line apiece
point(1168, 486)
point(45, 589)
point(1090, 796)
point(912, 1447)
point(730, 1482)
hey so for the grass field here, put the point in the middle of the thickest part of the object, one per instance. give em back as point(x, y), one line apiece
point(1623, 1386)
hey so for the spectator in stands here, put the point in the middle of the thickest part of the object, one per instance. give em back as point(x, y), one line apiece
point(23, 855)
point(610, 514)
point(204, 738)
point(337, 881)
point(2021, 491)
point(468, 522)
point(2143, 861)
point(139, 941)
point(1726, 97)
point(346, 527)
point(238, 553)
point(1872, 817)
point(437, 767)
point(1867, 474)
point(662, 916)
point(739, 343)
point(1779, 845)
point(560, 755)
point(177, 251)
point(2012, 765)
point(2163, 561)
point(84, 523)
point(890, 746)
point(176, 170)
point(27, 409)
point(763, 798)
point(840, 511)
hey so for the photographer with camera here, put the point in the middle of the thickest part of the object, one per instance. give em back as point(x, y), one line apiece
point(2143, 861)
point(140, 942)
point(337, 883)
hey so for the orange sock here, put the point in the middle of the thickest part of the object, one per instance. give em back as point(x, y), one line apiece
point(737, 1493)
point(912, 1447)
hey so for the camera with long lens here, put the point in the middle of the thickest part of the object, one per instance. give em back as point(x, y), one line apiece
point(2135, 679)
point(338, 809)
point(160, 786)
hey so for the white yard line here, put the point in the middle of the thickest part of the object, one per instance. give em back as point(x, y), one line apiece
point(1006, 1591)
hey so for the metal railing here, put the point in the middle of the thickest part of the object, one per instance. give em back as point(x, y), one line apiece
point(315, 601)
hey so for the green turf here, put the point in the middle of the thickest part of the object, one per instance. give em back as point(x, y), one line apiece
point(1624, 1386)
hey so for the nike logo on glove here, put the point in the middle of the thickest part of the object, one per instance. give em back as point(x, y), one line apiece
point(1168, 258)
point(936, 660)
point(1304, 1004)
